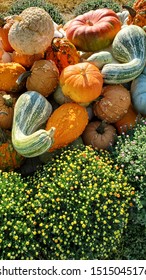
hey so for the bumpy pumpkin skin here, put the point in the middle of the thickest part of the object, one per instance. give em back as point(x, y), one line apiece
point(9, 73)
point(7, 103)
point(44, 77)
point(139, 18)
point(70, 120)
point(99, 135)
point(9, 158)
point(81, 82)
point(127, 121)
point(63, 53)
point(114, 103)
point(33, 32)
point(94, 30)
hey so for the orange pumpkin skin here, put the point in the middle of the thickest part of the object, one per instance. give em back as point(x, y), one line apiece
point(138, 17)
point(5, 25)
point(114, 103)
point(99, 134)
point(70, 120)
point(81, 82)
point(7, 103)
point(26, 60)
point(94, 30)
point(63, 53)
point(127, 121)
point(9, 158)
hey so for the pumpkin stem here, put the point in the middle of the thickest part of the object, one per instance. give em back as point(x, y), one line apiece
point(3, 136)
point(23, 77)
point(131, 11)
point(2, 22)
point(8, 101)
point(101, 127)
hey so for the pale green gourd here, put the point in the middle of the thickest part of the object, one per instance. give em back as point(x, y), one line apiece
point(31, 111)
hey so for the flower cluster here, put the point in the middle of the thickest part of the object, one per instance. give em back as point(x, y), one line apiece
point(80, 204)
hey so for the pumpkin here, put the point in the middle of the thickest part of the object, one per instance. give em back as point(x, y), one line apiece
point(9, 158)
point(113, 103)
point(25, 59)
point(5, 24)
point(63, 53)
point(32, 32)
point(7, 103)
point(93, 30)
point(70, 120)
point(9, 73)
point(137, 13)
point(138, 93)
point(43, 77)
point(81, 82)
point(31, 111)
point(127, 121)
point(99, 134)
point(129, 49)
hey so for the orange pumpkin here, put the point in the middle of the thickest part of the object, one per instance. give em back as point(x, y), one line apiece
point(127, 121)
point(81, 82)
point(62, 52)
point(113, 104)
point(5, 25)
point(70, 120)
point(137, 14)
point(26, 60)
point(7, 103)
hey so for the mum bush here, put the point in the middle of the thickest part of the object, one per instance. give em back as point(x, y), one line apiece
point(81, 202)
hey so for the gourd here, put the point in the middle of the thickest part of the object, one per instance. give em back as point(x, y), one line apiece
point(137, 14)
point(62, 52)
point(113, 103)
point(9, 73)
point(129, 48)
point(127, 121)
point(70, 120)
point(101, 58)
point(10, 159)
point(138, 93)
point(25, 59)
point(5, 24)
point(42, 77)
point(99, 134)
point(82, 82)
point(32, 31)
point(7, 103)
point(31, 111)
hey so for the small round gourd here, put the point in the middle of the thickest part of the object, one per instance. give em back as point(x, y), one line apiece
point(7, 103)
point(32, 31)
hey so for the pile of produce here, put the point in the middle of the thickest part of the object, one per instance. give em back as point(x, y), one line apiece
point(82, 82)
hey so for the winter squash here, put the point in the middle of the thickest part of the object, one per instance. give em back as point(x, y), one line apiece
point(113, 103)
point(138, 93)
point(127, 121)
point(94, 30)
point(99, 134)
point(59, 97)
point(25, 59)
point(81, 82)
point(9, 158)
point(32, 31)
point(7, 103)
point(5, 24)
point(100, 58)
point(137, 14)
point(9, 73)
point(43, 77)
point(31, 111)
point(70, 120)
point(63, 53)
point(129, 48)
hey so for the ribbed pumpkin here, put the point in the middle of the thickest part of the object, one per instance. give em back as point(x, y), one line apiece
point(63, 53)
point(137, 14)
point(70, 120)
point(7, 103)
point(81, 82)
point(9, 158)
point(9, 73)
point(113, 104)
point(5, 24)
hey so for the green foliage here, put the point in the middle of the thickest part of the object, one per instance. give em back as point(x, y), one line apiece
point(20, 5)
point(81, 205)
point(17, 229)
point(96, 4)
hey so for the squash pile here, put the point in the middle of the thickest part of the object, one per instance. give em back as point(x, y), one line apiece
point(86, 79)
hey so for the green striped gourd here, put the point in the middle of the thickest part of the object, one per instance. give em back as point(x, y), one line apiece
point(31, 111)
point(129, 48)
point(101, 58)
